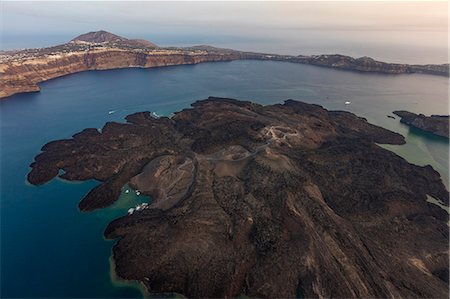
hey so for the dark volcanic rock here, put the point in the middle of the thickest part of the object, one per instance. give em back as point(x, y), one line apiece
point(436, 124)
point(266, 201)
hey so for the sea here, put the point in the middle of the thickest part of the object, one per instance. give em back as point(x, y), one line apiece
point(51, 249)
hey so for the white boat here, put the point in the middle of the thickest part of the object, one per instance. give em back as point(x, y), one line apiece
point(139, 207)
point(347, 103)
point(127, 191)
point(138, 192)
point(111, 112)
point(155, 115)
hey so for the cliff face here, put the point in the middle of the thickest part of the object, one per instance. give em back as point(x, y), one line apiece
point(21, 71)
point(24, 76)
point(436, 124)
point(275, 201)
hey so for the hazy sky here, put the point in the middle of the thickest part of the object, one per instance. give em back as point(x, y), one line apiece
point(422, 24)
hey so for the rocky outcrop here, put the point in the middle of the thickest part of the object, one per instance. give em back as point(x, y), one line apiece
point(436, 124)
point(280, 201)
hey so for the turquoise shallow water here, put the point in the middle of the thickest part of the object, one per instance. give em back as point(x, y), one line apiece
point(50, 249)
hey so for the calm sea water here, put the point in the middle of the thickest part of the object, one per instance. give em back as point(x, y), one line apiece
point(50, 249)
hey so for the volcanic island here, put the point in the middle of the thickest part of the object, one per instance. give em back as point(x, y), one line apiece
point(286, 200)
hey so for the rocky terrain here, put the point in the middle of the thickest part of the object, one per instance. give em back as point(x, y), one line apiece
point(21, 71)
point(281, 201)
point(436, 124)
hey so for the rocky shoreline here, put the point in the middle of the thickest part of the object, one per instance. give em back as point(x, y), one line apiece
point(22, 71)
point(435, 124)
point(265, 201)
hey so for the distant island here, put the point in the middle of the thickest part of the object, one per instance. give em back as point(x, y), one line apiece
point(22, 70)
point(435, 124)
point(280, 201)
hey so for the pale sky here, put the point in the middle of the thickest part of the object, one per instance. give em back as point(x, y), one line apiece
point(65, 16)
point(399, 23)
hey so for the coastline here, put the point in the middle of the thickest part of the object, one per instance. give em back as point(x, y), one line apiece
point(118, 209)
point(23, 77)
point(22, 71)
point(120, 282)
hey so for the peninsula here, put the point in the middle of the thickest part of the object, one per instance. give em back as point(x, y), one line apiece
point(22, 70)
point(279, 201)
point(435, 124)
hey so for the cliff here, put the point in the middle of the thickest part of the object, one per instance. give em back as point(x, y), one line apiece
point(24, 75)
point(279, 201)
point(435, 124)
point(21, 71)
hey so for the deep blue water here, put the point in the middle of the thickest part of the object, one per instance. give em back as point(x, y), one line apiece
point(50, 249)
